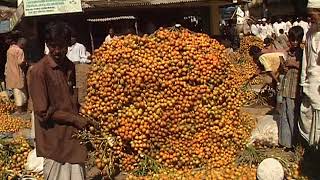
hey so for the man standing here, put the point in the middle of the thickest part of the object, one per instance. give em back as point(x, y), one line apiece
point(263, 30)
point(15, 79)
point(310, 79)
point(270, 30)
point(77, 53)
point(279, 25)
point(110, 36)
point(282, 39)
point(56, 113)
point(254, 29)
point(288, 26)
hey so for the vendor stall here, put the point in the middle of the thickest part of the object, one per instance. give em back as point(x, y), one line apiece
point(122, 23)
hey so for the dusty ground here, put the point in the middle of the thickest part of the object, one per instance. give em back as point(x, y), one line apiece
point(81, 78)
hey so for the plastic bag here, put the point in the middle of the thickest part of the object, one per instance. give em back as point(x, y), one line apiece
point(266, 130)
point(34, 163)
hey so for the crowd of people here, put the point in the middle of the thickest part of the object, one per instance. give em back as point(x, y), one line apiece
point(294, 67)
point(277, 31)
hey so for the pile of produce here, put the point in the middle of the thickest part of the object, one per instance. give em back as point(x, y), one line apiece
point(245, 61)
point(248, 41)
point(230, 172)
point(6, 107)
point(11, 124)
point(13, 157)
point(173, 96)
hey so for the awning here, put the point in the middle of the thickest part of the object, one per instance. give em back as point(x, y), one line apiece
point(9, 18)
point(106, 19)
point(87, 4)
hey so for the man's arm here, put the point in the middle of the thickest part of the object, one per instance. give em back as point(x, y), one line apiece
point(43, 111)
point(20, 57)
point(273, 76)
point(304, 67)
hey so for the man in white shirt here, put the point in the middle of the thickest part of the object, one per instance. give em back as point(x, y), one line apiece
point(288, 26)
point(283, 26)
point(270, 30)
point(279, 25)
point(309, 125)
point(77, 52)
point(263, 30)
point(276, 28)
point(254, 29)
point(110, 36)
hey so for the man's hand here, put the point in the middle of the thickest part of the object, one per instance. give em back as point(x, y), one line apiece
point(291, 63)
point(82, 122)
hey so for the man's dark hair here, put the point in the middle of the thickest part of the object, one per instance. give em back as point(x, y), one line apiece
point(58, 33)
point(281, 31)
point(254, 51)
point(296, 33)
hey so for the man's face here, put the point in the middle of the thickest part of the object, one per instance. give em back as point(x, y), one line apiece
point(58, 51)
point(314, 15)
point(111, 32)
point(294, 43)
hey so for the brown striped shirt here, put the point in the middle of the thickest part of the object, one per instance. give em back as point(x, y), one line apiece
point(290, 84)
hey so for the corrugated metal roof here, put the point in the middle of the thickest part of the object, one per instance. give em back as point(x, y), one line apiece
point(127, 3)
point(110, 19)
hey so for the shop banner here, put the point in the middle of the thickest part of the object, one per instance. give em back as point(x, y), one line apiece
point(48, 7)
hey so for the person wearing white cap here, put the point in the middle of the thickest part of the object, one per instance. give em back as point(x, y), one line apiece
point(259, 23)
point(309, 125)
point(270, 30)
point(279, 25)
point(263, 29)
point(276, 27)
point(254, 29)
point(288, 26)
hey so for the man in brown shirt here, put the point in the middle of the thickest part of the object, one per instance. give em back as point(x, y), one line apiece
point(15, 79)
point(56, 112)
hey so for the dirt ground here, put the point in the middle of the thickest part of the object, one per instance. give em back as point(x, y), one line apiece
point(81, 80)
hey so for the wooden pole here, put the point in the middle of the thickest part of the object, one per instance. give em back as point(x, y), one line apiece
point(91, 38)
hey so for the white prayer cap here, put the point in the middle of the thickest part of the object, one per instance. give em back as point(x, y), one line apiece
point(264, 19)
point(259, 20)
point(314, 4)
